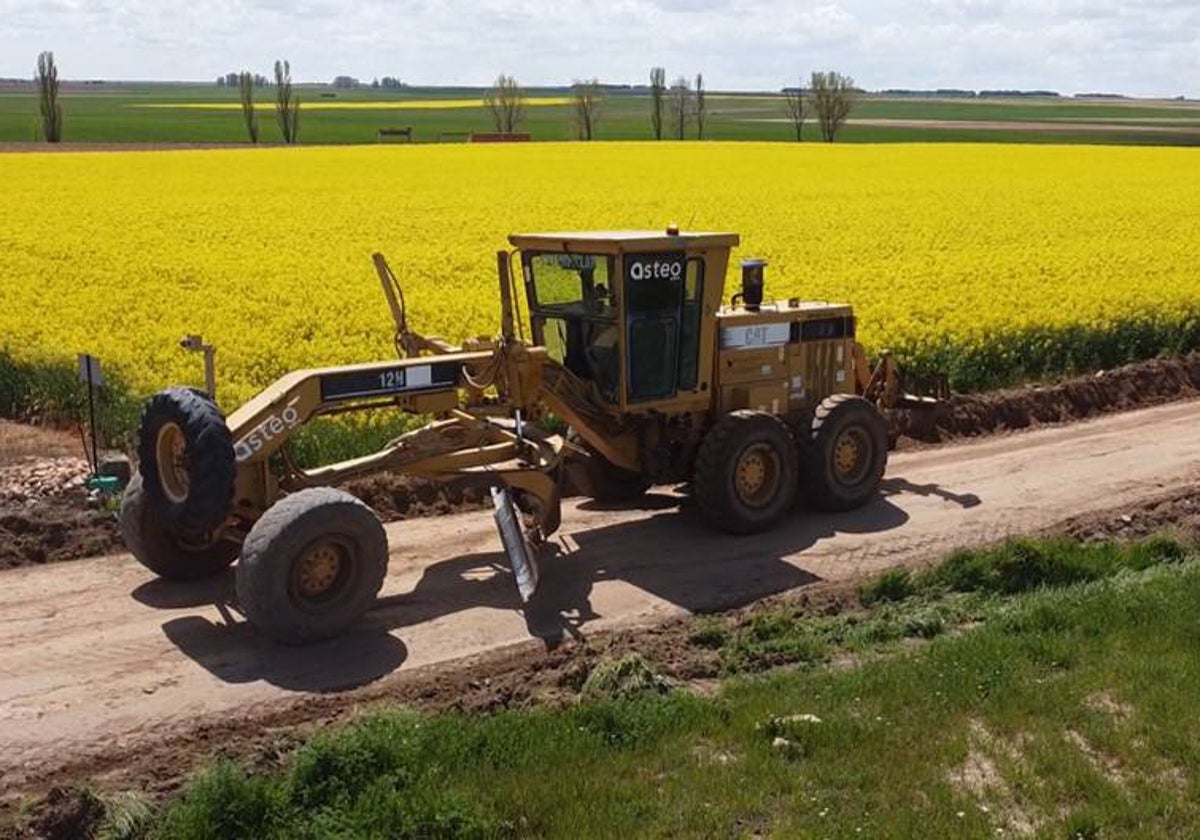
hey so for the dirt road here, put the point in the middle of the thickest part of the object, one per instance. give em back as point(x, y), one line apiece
point(96, 654)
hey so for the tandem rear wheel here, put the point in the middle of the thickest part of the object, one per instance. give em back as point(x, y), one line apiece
point(845, 453)
point(746, 472)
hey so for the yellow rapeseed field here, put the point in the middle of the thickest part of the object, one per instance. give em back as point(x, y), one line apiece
point(997, 261)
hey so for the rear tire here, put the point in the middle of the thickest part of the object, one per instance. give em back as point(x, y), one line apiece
point(161, 551)
point(311, 566)
point(186, 460)
point(598, 478)
point(746, 475)
point(846, 453)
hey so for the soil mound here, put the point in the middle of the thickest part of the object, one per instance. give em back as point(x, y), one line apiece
point(46, 514)
point(396, 497)
point(1137, 385)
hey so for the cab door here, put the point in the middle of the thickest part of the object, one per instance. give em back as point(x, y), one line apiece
point(654, 295)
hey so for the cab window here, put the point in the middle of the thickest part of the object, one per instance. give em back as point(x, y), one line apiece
point(574, 314)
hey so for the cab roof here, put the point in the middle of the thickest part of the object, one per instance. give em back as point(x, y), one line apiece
point(618, 241)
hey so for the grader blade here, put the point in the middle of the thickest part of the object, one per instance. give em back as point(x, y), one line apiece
point(521, 555)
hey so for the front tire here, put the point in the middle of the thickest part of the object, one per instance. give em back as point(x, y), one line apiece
point(846, 453)
point(746, 472)
point(311, 566)
point(162, 551)
point(186, 460)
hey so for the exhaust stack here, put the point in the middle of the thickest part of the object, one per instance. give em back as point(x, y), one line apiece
point(752, 283)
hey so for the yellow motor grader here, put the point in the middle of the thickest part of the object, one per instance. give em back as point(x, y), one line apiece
point(626, 340)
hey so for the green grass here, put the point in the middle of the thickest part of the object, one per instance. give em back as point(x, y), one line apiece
point(1041, 353)
point(54, 395)
point(1062, 703)
point(111, 113)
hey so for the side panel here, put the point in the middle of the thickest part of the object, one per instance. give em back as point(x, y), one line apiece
point(754, 377)
point(825, 368)
point(784, 360)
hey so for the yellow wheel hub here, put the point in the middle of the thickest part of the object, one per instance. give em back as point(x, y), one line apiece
point(756, 475)
point(317, 570)
point(170, 449)
point(850, 455)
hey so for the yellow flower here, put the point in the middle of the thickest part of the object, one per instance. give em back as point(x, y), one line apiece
point(996, 259)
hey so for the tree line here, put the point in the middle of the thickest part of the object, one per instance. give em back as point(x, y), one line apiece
point(287, 103)
point(828, 98)
point(675, 111)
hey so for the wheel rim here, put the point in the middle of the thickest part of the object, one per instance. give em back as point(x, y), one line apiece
point(170, 451)
point(320, 572)
point(756, 475)
point(851, 455)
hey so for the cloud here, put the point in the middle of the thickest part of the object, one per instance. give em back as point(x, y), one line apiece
point(1132, 46)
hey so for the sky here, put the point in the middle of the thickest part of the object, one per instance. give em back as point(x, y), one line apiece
point(1134, 47)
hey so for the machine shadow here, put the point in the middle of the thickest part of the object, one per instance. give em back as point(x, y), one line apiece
point(165, 594)
point(670, 555)
point(234, 653)
point(897, 486)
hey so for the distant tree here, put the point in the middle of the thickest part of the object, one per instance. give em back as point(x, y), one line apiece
point(345, 82)
point(680, 107)
point(587, 100)
point(658, 93)
point(246, 89)
point(375, 82)
point(220, 81)
point(832, 96)
point(287, 103)
point(794, 104)
point(260, 80)
point(392, 82)
point(506, 101)
point(701, 109)
point(48, 104)
point(231, 79)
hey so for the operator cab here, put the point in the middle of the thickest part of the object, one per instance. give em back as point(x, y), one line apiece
point(625, 310)
point(573, 307)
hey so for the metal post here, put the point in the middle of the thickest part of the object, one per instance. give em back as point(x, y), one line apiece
point(195, 344)
point(91, 388)
point(210, 370)
point(89, 373)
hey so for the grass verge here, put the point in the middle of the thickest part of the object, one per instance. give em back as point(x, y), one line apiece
point(1052, 696)
point(52, 393)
